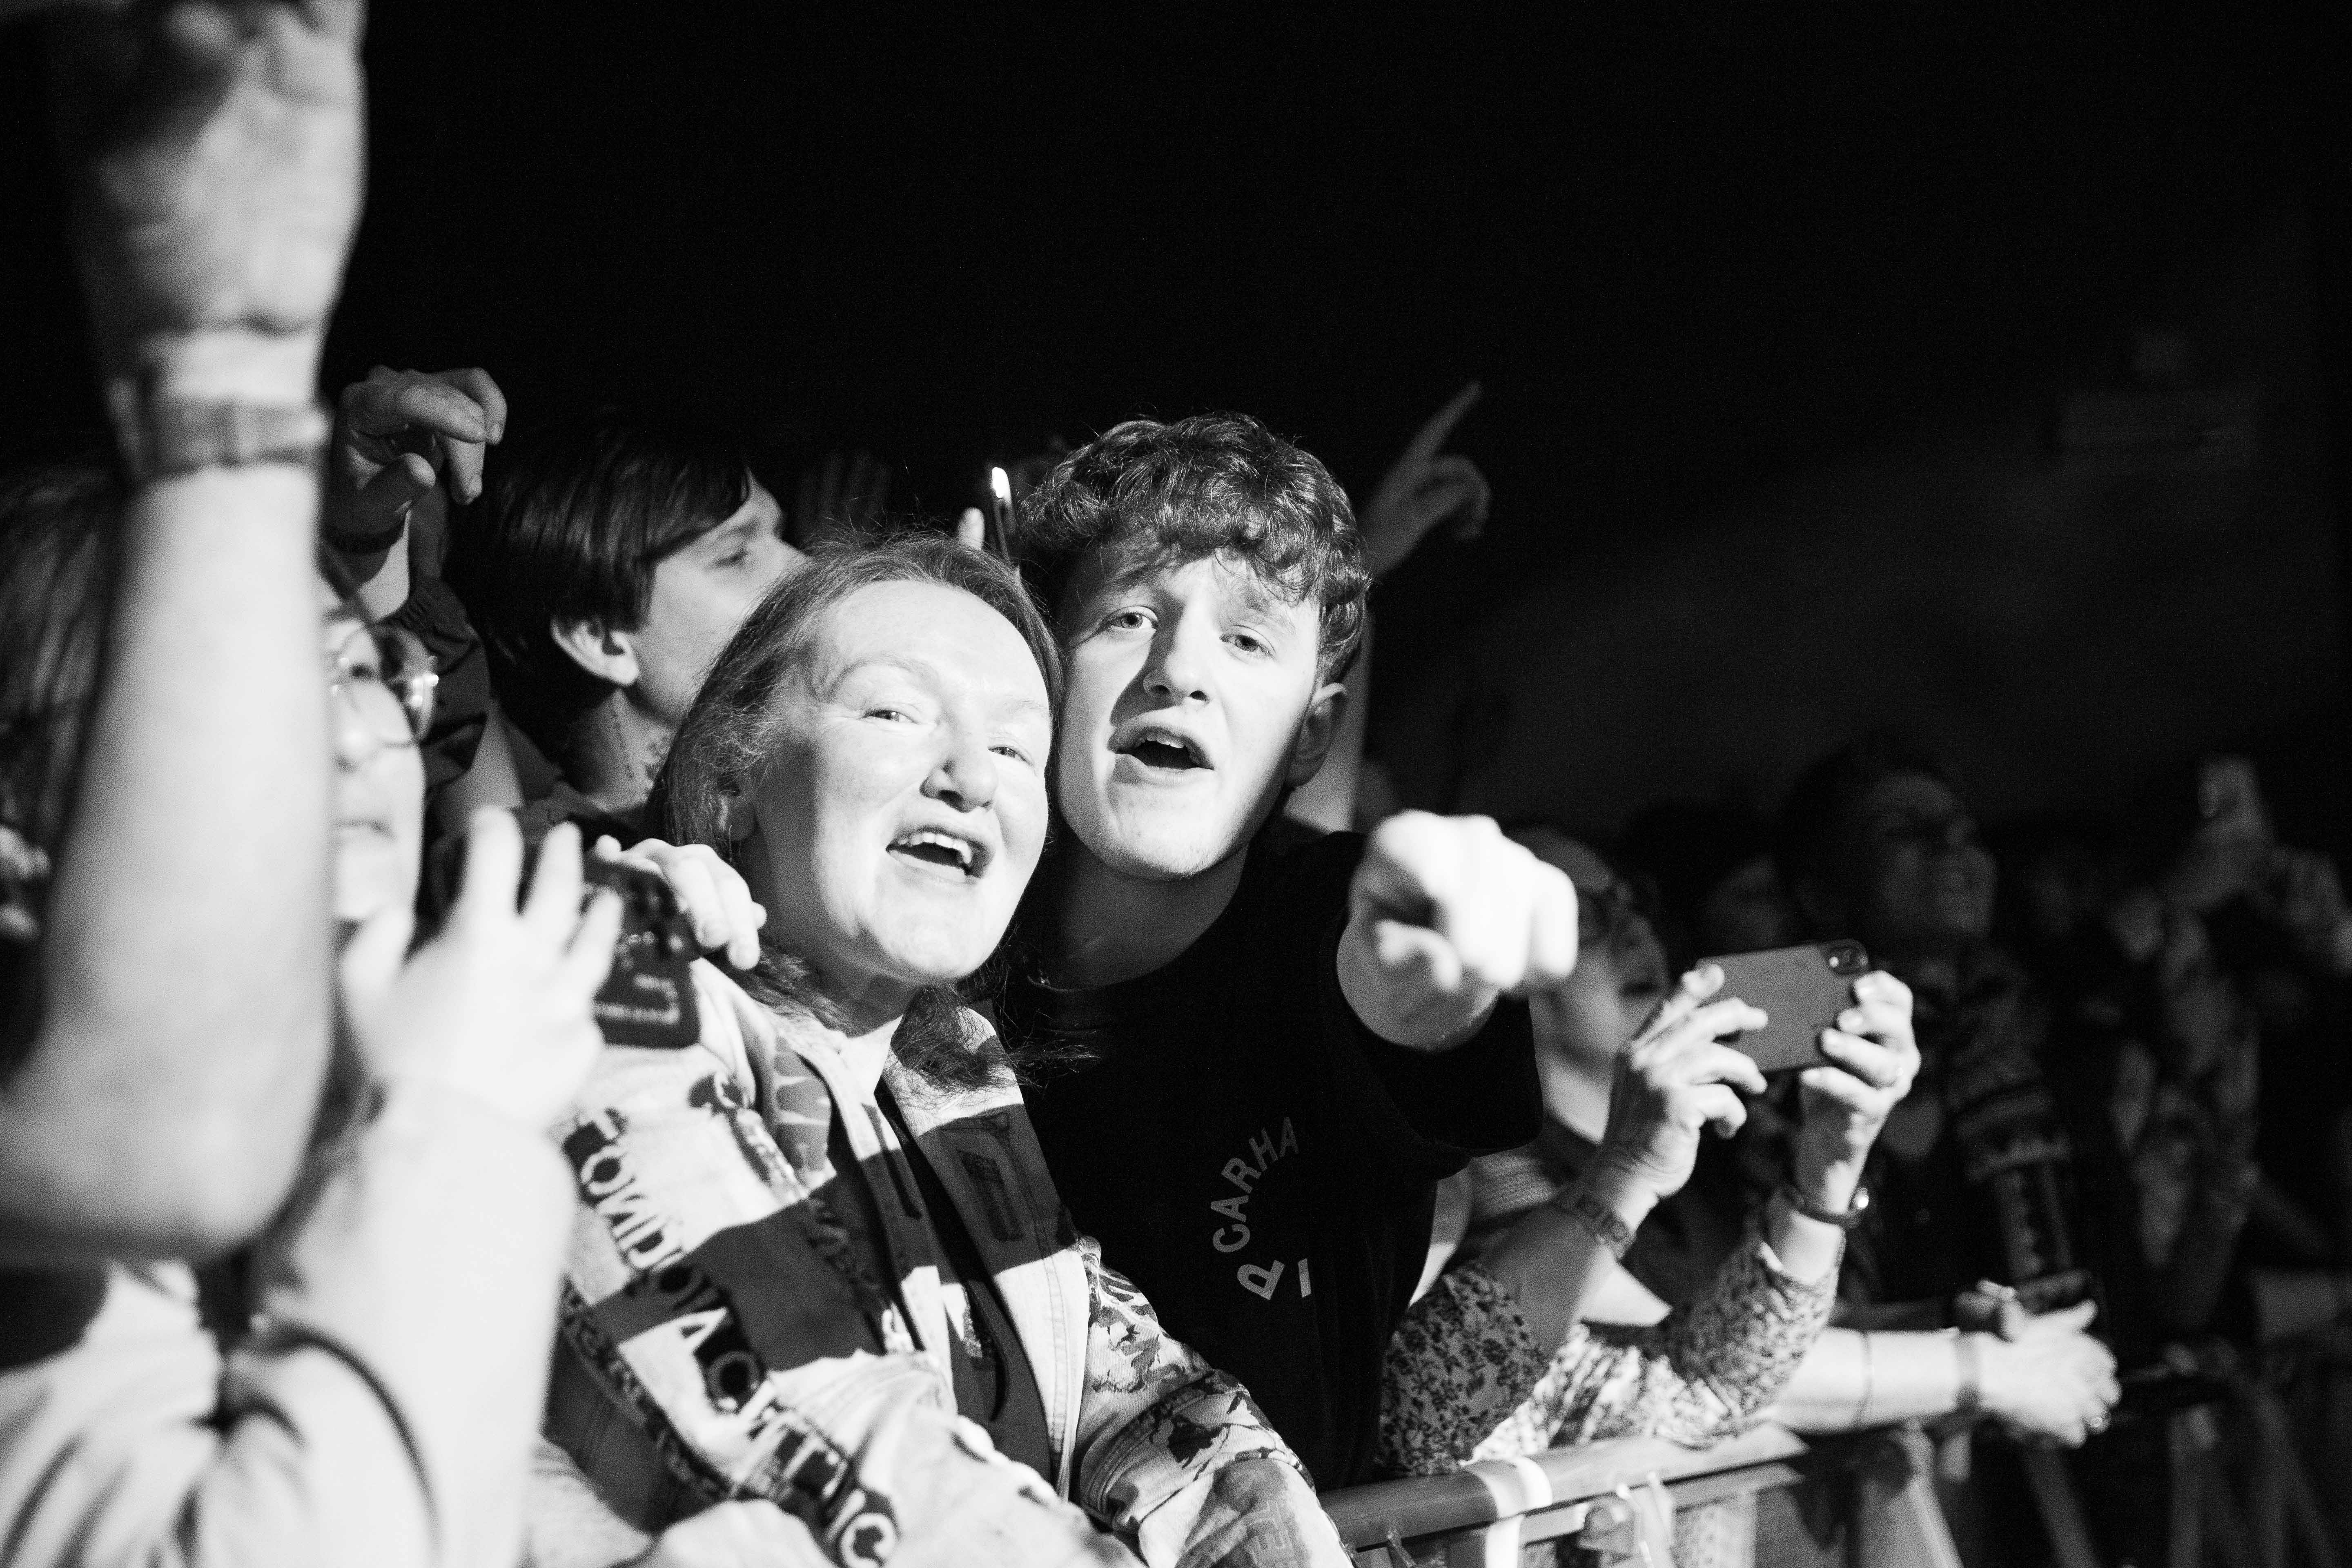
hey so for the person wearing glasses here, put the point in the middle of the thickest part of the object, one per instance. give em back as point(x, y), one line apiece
point(364, 1383)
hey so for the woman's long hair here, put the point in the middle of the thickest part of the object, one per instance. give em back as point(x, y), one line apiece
point(732, 729)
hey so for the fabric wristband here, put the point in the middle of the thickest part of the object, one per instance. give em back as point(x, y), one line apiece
point(1971, 1359)
point(1606, 1228)
point(162, 436)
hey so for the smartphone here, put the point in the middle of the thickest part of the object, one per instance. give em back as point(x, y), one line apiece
point(1801, 989)
point(648, 997)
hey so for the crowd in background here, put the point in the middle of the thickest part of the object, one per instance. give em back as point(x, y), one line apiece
point(1097, 1121)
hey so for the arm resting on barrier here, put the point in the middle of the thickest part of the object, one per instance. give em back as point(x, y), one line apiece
point(1465, 1378)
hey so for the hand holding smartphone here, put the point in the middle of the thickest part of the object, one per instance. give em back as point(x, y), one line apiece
point(1801, 989)
point(647, 999)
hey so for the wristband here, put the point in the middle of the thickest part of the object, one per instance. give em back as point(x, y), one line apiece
point(160, 437)
point(1813, 1211)
point(1971, 1359)
point(1606, 1228)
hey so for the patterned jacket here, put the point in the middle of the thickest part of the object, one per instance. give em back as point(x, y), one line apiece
point(725, 1337)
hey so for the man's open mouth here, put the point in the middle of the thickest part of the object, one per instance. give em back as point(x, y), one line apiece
point(1164, 750)
point(946, 850)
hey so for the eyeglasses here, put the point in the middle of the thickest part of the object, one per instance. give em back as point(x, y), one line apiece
point(388, 679)
point(1605, 911)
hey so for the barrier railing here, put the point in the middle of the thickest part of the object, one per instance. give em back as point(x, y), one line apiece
point(1482, 1516)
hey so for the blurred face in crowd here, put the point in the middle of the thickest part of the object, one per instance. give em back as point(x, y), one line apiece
point(902, 807)
point(1747, 911)
point(1620, 977)
point(701, 594)
point(1918, 878)
point(1620, 966)
point(1193, 700)
point(2057, 890)
point(379, 793)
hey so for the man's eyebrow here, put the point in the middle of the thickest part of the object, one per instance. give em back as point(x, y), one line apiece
point(1257, 595)
point(727, 531)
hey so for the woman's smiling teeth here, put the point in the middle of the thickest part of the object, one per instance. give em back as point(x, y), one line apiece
point(941, 849)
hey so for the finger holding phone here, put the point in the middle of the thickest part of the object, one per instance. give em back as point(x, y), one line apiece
point(1852, 1044)
point(1676, 1080)
point(1672, 1080)
point(500, 1004)
point(1874, 1058)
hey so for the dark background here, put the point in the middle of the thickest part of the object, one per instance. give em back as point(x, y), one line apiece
point(1691, 253)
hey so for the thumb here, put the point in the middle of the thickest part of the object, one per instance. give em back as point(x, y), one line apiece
point(971, 529)
point(1400, 878)
point(384, 499)
point(1689, 993)
point(1399, 951)
point(370, 960)
point(2076, 1319)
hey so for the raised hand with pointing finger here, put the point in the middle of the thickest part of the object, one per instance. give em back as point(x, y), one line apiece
point(1676, 1080)
point(1427, 485)
point(1445, 917)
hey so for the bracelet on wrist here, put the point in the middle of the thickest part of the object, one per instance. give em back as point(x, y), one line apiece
point(1970, 1355)
point(1597, 1217)
point(160, 437)
point(1847, 1220)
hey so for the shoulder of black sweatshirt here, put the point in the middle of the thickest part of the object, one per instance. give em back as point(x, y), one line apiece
point(461, 695)
point(1259, 1162)
point(444, 858)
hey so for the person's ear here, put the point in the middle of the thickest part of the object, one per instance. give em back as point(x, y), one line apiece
point(603, 653)
point(1317, 731)
point(741, 821)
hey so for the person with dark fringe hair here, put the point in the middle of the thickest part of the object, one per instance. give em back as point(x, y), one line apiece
point(608, 561)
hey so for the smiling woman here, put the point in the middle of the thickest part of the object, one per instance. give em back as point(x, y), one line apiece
point(879, 778)
point(793, 1275)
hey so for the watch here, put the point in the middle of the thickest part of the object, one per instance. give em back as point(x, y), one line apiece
point(159, 437)
point(1810, 1210)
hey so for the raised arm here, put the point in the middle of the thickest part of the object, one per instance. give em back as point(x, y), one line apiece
point(163, 1097)
point(1539, 1374)
point(382, 1408)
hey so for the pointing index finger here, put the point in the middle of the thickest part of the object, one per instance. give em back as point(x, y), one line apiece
point(1430, 439)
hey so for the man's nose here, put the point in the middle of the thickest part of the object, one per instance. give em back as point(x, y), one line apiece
point(1176, 664)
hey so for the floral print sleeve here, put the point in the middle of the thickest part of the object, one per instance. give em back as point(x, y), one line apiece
point(1464, 1380)
point(1157, 1418)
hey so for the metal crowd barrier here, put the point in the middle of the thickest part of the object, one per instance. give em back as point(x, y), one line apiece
point(1482, 1516)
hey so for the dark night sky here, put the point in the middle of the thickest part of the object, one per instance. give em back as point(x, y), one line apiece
point(1684, 249)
